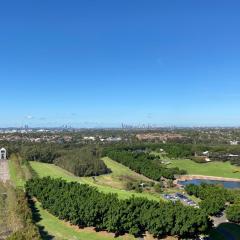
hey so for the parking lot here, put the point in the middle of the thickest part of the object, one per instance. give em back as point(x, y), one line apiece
point(180, 197)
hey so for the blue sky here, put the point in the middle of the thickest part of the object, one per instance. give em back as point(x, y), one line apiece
point(100, 63)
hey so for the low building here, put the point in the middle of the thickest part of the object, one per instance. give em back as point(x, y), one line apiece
point(234, 142)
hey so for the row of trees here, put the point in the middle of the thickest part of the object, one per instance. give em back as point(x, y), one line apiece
point(214, 199)
point(143, 163)
point(84, 206)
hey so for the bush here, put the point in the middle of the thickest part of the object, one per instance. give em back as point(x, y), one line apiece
point(233, 213)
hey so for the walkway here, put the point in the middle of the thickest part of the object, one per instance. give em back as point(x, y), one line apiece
point(4, 174)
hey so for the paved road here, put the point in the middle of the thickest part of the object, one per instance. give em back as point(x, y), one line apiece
point(4, 174)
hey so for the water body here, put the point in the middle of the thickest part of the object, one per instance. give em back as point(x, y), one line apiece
point(226, 184)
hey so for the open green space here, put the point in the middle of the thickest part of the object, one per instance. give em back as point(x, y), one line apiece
point(62, 230)
point(50, 224)
point(119, 176)
point(45, 169)
point(217, 169)
point(15, 173)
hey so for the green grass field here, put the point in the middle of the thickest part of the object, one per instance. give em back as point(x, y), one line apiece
point(119, 176)
point(49, 223)
point(15, 175)
point(44, 170)
point(217, 169)
point(60, 229)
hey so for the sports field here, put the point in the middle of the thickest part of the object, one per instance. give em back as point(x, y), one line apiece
point(217, 169)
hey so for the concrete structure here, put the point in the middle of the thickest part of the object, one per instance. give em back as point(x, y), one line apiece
point(3, 154)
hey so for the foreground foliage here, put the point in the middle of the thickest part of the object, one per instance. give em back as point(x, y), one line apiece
point(16, 216)
point(85, 206)
point(214, 197)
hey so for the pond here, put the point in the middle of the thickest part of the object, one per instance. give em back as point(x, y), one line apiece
point(226, 184)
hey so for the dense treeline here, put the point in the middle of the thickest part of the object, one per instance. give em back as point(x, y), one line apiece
point(83, 205)
point(214, 197)
point(174, 150)
point(40, 152)
point(143, 163)
point(81, 161)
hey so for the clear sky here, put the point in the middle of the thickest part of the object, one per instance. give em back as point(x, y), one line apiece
point(99, 63)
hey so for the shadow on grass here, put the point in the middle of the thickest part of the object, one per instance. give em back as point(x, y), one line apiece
point(36, 219)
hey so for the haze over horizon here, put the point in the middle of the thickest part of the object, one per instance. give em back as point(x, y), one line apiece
point(103, 63)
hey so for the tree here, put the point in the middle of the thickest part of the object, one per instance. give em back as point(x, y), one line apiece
point(233, 213)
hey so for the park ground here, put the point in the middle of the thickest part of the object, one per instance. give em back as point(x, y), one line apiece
point(214, 168)
point(217, 169)
point(112, 183)
point(53, 227)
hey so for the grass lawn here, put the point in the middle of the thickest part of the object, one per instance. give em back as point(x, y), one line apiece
point(119, 176)
point(44, 170)
point(217, 169)
point(62, 230)
point(15, 174)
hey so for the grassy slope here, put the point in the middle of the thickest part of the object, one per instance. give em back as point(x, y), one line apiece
point(51, 224)
point(44, 169)
point(15, 174)
point(218, 169)
point(118, 178)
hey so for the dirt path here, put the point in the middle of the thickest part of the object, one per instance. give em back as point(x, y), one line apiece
point(4, 173)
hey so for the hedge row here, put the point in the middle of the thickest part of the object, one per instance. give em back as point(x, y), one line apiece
point(83, 205)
